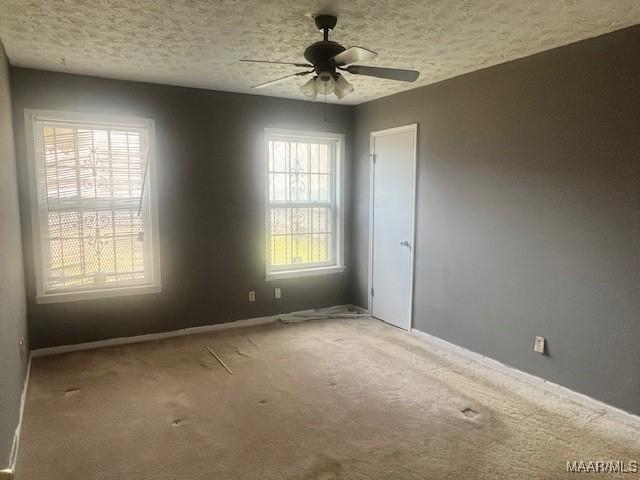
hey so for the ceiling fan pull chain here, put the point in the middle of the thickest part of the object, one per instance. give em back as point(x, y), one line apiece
point(325, 108)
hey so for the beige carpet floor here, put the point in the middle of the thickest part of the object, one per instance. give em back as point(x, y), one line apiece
point(326, 399)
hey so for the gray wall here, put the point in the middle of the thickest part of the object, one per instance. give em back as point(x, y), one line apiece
point(211, 206)
point(13, 310)
point(528, 212)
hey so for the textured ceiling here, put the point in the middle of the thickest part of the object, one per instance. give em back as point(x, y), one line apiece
point(199, 42)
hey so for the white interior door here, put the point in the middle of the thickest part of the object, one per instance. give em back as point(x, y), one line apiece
point(393, 154)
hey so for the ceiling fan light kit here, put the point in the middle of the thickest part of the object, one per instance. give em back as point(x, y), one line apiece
point(328, 60)
point(309, 89)
point(343, 87)
point(325, 83)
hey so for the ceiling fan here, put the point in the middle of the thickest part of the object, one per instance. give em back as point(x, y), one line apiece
point(328, 60)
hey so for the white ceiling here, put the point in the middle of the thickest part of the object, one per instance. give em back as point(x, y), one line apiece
point(199, 42)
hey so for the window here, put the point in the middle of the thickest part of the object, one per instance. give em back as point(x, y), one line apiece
point(304, 216)
point(93, 205)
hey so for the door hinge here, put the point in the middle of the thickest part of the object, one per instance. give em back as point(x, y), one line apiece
point(373, 157)
point(372, 291)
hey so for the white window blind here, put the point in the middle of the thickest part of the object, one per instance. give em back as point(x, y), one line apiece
point(96, 224)
point(304, 216)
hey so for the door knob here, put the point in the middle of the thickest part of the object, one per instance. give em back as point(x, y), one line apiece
point(405, 243)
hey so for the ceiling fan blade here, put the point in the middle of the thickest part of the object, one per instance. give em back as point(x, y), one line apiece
point(303, 65)
point(353, 55)
point(388, 73)
point(281, 79)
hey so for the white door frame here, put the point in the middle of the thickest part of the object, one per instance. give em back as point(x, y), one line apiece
point(413, 128)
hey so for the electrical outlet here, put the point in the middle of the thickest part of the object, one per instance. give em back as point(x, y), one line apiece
point(277, 293)
point(252, 296)
point(22, 348)
point(538, 344)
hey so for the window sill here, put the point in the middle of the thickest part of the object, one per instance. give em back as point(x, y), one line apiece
point(94, 294)
point(307, 272)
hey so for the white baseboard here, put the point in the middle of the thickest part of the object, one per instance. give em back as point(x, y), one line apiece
point(357, 308)
point(532, 380)
point(13, 456)
point(41, 352)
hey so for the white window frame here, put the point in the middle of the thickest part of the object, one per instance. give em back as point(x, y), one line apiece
point(337, 264)
point(38, 203)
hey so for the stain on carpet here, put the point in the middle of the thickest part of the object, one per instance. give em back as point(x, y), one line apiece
point(469, 412)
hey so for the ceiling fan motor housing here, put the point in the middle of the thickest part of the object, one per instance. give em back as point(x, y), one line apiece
point(320, 55)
